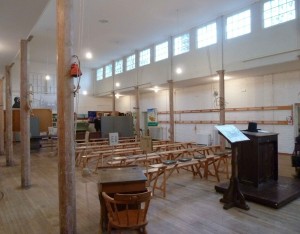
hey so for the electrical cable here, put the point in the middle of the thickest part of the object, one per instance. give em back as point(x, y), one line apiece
point(79, 45)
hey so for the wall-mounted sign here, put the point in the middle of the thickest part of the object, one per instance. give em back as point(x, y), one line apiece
point(152, 117)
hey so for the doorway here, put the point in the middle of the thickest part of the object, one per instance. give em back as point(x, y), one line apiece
point(297, 119)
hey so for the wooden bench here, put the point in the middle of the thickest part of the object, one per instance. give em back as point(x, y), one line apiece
point(136, 159)
point(163, 172)
point(100, 156)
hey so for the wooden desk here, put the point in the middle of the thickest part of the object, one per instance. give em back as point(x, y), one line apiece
point(119, 180)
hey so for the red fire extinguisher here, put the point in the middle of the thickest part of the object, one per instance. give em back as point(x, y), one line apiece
point(75, 68)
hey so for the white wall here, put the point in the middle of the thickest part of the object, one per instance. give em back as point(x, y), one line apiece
point(272, 90)
point(44, 92)
point(275, 45)
point(262, 47)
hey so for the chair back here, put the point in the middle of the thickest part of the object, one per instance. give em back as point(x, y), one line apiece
point(127, 211)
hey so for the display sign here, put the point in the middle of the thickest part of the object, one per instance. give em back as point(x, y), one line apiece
point(152, 117)
point(113, 138)
point(146, 144)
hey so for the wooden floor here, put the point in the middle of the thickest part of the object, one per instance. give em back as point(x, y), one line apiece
point(191, 206)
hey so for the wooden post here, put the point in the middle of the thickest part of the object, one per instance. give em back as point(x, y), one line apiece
point(24, 119)
point(171, 104)
point(114, 101)
point(8, 119)
point(1, 119)
point(137, 108)
point(65, 114)
point(222, 104)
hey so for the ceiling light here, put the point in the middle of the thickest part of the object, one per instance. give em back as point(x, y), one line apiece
point(178, 70)
point(155, 89)
point(217, 78)
point(89, 55)
point(117, 84)
point(47, 77)
point(117, 95)
point(84, 92)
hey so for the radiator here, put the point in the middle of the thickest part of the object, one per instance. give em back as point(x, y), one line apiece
point(216, 140)
point(203, 139)
point(156, 133)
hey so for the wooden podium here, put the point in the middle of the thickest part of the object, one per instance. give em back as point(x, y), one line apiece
point(258, 160)
point(255, 174)
point(233, 197)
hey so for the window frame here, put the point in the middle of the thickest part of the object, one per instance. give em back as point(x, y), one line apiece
point(111, 71)
point(206, 38)
point(167, 52)
point(133, 62)
point(278, 15)
point(102, 75)
point(239, 28)
point(181, 46)
point(121, 67)
point(148, 57)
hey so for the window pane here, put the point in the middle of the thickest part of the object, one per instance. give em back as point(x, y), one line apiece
point(161, 51)
point(182, 44)
point(108, 70)
point(119, 66)
point(144, 57)
point(100, 73)
point(130, 62)
point(207, 35)
point(276, 12)
point(239, 24)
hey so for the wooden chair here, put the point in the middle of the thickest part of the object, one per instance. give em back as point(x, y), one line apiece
point(127, 211)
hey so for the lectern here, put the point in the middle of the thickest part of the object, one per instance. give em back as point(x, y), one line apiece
point(233, 197)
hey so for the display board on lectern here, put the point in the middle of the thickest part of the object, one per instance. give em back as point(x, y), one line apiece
point(231, 133)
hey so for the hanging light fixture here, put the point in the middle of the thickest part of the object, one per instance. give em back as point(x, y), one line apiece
point(47, 76)
point(88, 54)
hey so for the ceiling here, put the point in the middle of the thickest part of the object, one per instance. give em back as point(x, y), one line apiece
point(111, 29)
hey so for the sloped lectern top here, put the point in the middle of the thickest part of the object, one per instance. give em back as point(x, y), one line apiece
point(231, 133)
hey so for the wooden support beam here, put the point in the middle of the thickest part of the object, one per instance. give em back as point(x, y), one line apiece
point(1, 118)
point(137, 108)
point(222, 104)
point(24, 119)
point(113, 101)
point(8, 119)
point(171, 104)
point(65, 114)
